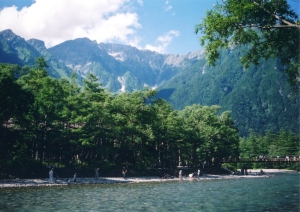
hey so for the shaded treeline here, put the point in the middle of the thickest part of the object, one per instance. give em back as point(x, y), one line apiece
point(46, 120)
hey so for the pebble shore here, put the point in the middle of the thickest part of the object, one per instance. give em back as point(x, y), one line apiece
point(9, 183)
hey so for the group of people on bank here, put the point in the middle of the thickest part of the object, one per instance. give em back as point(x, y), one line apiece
point(194, 174)
point(124, 171)
point(191, 175)
point(53, 177)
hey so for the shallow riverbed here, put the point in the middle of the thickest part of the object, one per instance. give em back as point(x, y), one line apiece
point(278, 193)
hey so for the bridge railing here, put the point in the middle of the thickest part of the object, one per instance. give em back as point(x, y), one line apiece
point(265, 159)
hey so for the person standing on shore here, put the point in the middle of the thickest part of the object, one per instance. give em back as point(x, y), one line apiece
point(180, 174)
point(51, 175)
point(192, 175)
point(97, 174)
point(74, 178)
point(124, 172)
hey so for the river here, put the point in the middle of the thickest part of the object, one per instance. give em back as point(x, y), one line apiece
point(278, 193)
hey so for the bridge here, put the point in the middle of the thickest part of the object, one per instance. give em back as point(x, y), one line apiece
point(271, 162)
point(262, 160)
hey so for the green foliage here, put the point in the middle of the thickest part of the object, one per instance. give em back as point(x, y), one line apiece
point(270, 144)
point(12, 98)
point(60, 122)
point(267, 28)
point(41, 63)
point(65, 124)
point(214, 135)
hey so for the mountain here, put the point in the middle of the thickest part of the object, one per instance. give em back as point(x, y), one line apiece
point(120, 67)
point(14, 49)
point(59, 69)
point(260, 97)
point(150, 66)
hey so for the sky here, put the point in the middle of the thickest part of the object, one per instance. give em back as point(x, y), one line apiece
point(164, 26)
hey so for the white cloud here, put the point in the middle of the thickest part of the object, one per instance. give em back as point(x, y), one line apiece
point(57, 21)
point(163, 41)
point(169, 8)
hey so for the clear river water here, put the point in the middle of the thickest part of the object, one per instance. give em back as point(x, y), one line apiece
point(279, 193)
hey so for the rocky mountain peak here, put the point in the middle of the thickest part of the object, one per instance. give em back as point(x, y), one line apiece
point(39, 45)
point(8, 34)
point(10, 37)
point(196, 55)
point(78, 51)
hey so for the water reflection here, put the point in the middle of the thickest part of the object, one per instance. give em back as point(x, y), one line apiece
point(279, 193)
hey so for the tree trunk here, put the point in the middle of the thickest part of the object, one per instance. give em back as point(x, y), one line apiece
point(44, 138)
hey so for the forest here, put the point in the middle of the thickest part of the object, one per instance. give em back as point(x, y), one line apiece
point(45, 120)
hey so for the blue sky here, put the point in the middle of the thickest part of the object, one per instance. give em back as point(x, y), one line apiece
point(165, 26)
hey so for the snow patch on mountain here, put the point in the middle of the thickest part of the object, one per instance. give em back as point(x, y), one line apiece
point(203, 70)
point(154, 87)
point(117, 55)
point(83, 70)
point(122, 82)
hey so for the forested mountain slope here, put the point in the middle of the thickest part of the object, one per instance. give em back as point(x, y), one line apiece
point(260, 97)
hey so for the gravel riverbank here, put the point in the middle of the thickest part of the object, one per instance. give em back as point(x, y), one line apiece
point(6, 183)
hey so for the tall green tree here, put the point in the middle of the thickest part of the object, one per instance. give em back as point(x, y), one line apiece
point(93, 117)
point(167, 130)
point(267, 27)
point(194, 134)
point(13, 100)
point(132, 115)
point(14, 105)
point(43, 113)
point(209, 133)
